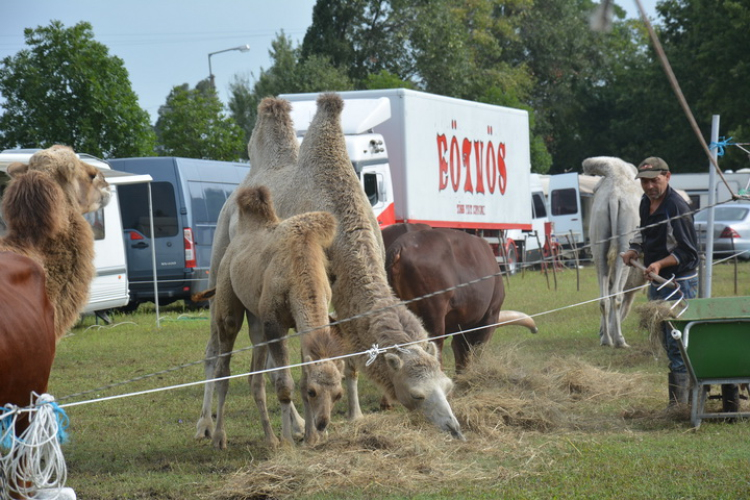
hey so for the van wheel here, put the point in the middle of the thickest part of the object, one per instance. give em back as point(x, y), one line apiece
point(130, 308)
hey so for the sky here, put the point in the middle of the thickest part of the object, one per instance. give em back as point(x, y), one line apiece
point(164, 43)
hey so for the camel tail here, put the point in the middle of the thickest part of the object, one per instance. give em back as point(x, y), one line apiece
point(256, 202)
point(318, 228)
point(517, 318)
point(204, 295)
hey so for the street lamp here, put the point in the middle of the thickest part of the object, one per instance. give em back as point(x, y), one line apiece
point(241, 48)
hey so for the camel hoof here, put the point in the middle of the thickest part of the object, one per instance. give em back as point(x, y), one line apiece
point(219, 441)
point(205, 431)
point(622, 344)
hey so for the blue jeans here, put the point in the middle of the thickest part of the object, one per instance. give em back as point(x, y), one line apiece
point(689, 288)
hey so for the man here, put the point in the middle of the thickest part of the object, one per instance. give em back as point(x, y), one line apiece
point(669, 245)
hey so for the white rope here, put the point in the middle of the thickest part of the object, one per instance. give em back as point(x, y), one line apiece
point(33, 462)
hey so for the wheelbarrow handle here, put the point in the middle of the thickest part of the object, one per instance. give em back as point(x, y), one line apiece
point(654, 276)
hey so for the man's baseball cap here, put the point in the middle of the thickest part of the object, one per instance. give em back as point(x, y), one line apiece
point(652, 167)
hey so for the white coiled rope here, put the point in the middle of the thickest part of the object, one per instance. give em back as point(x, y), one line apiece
point(33, 463)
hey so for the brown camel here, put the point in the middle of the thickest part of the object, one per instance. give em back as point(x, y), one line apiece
point(276, 271)
point(323, 179)
point(46, 266)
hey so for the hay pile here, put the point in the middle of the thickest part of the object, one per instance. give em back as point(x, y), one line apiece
point(652, 315)
point(506, 403)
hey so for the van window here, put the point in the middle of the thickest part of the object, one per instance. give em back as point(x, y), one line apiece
point(134, 209)
point(564, 202)
point(537, 200)
point(96, 219)
point(371, 188)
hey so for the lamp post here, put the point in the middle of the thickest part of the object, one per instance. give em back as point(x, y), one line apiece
point(241, 48)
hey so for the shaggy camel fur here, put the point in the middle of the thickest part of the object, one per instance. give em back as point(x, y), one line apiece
point(614, 219)
point(323, 179)
point(46, 266)
point(276, 271)
point(43, 207)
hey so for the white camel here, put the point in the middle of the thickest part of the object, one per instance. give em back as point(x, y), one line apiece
point(614, 217)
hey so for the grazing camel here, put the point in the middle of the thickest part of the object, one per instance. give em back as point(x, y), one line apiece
point(276, 271)
point(613, 221)
point(424, 260)
point(323, 179)
point(46, 265)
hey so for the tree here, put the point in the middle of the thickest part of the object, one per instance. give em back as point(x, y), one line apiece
point(287, 74)
point(66, 88)
point(192, 124)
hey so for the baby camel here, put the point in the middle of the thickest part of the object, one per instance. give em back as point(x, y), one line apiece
point(276, 272)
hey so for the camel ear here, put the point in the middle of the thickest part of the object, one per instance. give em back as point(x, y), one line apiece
point(306, 367)
point(431, 349)
point(394, 362)
point(340, 365)
point(17, 169)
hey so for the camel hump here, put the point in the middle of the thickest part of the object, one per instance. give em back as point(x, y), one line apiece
point(331, 104)
point(315, 227)
point(608, 166)
point(204, 295)
point(278, 109)
point(31, 205)
point(255, 201)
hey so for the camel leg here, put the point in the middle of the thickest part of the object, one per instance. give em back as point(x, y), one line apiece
point(205, 425)
point(258, 381)
point(621, 272)
point(354, 412)
point(228, 322)
point(284, 382)
point(298, 423)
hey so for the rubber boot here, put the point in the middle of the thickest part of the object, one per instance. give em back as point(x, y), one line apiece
point(678, 388)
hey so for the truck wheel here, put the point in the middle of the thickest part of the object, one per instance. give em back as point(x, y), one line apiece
point(511, 261)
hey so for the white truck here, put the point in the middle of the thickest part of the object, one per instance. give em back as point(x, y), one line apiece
point(441, 161)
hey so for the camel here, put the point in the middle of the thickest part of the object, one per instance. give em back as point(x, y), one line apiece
point(46, 265)
point(322, 178)
point(276, 271)
point(615, 209)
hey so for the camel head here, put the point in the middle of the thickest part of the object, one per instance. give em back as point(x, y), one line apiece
point(420, 385)
point(273, 142)
point(321, 389)
point(83, 184)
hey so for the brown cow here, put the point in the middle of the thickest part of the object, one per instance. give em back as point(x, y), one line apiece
point(420, 262)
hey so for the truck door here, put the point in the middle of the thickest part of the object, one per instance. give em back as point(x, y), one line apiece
point(565, 207)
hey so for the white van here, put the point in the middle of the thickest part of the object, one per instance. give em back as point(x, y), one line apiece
point(109, 289)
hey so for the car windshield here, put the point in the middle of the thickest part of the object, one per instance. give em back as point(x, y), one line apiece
point(726, 214)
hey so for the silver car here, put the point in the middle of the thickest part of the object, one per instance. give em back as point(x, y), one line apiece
point(731, 230)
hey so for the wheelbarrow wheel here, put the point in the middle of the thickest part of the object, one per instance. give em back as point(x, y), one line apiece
point(730, 398)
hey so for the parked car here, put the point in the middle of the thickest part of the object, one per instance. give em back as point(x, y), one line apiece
point(187, 196)
point(731, 229)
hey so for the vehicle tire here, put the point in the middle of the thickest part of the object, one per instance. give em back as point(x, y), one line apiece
point(511, 264)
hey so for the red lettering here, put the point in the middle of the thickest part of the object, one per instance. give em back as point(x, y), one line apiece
point(442, 145)
point(501, 171)
point(466, 159)
point(478, 153)
point(455, 167)
point(490, 167)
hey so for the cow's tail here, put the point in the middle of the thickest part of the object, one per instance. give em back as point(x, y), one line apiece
point(517, 318)
point(392, 267)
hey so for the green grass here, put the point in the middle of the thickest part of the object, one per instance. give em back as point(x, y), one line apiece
point(143, 447)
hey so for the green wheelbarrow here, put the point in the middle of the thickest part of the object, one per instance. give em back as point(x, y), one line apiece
point(714, 338)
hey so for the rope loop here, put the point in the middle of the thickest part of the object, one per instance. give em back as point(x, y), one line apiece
point(373, 354)
point(720, 145)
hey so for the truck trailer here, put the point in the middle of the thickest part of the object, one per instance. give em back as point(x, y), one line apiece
point(446, 162)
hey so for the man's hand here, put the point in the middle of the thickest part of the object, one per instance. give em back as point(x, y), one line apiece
point(629, 255)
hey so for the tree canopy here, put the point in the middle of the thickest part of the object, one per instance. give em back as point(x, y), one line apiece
point(192, 124)
point(66, 89)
